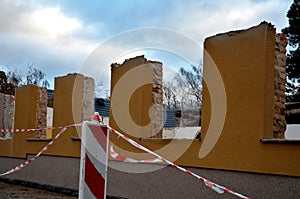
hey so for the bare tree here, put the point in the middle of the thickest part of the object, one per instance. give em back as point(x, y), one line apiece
point(15, 77)
point(37, 77)
point(170, 95)
point(185, 90)
point(34, 76)
point(6, 87)
point(191, 82)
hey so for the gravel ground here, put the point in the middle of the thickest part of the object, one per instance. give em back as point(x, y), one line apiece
point(8, 191)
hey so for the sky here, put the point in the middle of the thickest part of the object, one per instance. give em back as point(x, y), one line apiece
point(59, 36)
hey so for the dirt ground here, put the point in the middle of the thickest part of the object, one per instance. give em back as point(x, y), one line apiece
point(8, 191)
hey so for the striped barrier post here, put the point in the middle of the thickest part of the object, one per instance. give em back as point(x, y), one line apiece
point(93, 161)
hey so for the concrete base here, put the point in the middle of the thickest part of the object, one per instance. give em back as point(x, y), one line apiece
point(47, 170)
point(168, 182)
point(153, 181)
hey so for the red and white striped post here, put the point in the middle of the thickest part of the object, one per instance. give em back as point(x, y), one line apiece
point(93, 162)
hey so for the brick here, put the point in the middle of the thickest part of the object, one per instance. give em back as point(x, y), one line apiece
point(279, 123)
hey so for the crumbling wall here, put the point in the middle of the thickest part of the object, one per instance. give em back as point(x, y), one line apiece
point(88, 98)
point(7, 108)
point(30, 113)
point(136, 97)
point(73, 101)
point(279, 124)
point(157, 99)
point(27, 108)
point(31, 109)
point(11, 114)
point(2, 112)
point(42, 112)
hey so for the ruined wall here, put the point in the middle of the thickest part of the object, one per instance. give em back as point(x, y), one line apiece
point(11, 115)
point(73, 101)
point(245, 61)
point(136, 97)
point(279, 124)
point(88, 98)
point(2, 112)
point(157, 99)
point(7, 108)
point(27, 108)
point(31, 109)
point(42, 112)
point(64, 100)
point(237, 110)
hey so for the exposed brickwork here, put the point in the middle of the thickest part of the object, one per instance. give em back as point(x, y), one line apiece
point(88, 98)
point(73, 97)
point(145, 103)
point(279, 124)
point(11, 112)
point(2, 112)
point(157, 99)
point(42, 112)
point(7, 108)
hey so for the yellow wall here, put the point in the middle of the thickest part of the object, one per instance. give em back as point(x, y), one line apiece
point(27, 99)
point(67, 101)
point(245, 61)
point(140, 100)
point(26, 109)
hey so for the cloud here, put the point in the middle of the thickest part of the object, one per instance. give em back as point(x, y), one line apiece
point(200, 20)
point(22, 18)
point(59, 35)
point(43, 36)
point(52, 23)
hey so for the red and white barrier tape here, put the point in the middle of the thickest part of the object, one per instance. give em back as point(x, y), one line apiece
point(24, 164)
point(27, 130)
point(119, 157)
point(218, 188)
